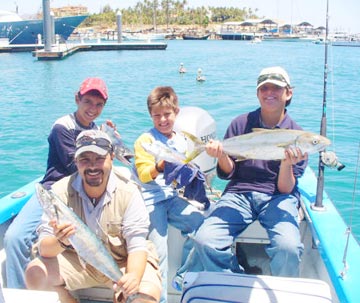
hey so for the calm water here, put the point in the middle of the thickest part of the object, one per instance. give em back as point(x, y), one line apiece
point(34, 94)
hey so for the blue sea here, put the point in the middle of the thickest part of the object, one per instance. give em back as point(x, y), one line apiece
point(35, 93)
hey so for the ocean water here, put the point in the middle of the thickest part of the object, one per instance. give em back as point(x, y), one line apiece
point(35, 93)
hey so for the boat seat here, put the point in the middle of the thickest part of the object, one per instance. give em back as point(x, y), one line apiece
point(256, 234)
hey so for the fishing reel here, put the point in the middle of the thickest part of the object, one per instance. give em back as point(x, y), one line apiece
point(329, 159)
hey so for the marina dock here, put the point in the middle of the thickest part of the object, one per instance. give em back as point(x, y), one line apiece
point(19, 48)
point(61, 51)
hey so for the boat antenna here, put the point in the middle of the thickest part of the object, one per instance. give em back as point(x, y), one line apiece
point(320, 182)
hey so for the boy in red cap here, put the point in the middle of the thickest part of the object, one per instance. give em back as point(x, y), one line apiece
point(21, 234)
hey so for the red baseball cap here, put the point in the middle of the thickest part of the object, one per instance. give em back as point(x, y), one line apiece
point(94, 84)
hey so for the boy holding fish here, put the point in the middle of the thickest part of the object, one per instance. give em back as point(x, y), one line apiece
point(90, 101)
point(96, 202)
point(264, 190)
point(162, 200)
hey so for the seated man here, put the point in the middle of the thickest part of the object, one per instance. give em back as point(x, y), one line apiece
point(98, 195)
point(90, 100)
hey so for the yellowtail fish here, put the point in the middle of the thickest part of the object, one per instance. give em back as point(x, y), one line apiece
point(266, 144)
point(163, 152)
point(122, 152)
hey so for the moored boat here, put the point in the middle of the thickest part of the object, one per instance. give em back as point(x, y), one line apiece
point(350, 42)
point(195, 37)
point(237, 31)
point(347, 43)
point(143, 37)
point(236, 36)
point(19, 31)
point(283, 38)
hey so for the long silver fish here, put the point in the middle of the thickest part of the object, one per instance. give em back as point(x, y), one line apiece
point(122, 152)
point(88, 246)
point(266, 144)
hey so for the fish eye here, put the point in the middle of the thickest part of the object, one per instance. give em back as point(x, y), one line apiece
point(315, 141)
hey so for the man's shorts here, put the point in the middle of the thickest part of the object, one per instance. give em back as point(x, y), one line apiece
point(78, 277)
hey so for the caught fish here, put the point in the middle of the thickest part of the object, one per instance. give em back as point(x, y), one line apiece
point(266, 144)
point(122, 152)
point(163, 152)
point(90, 248)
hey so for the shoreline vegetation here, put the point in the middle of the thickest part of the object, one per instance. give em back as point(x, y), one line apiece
point(171, 17)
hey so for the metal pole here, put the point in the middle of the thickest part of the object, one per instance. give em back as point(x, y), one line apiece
point(119, 26)
point(154, 15)
point(47, 25)
point(52, 26)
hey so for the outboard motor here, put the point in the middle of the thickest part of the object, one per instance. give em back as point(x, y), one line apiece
point(198, 122)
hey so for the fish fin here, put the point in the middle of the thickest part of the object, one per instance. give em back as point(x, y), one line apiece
point(198, 149)
point(258, 129)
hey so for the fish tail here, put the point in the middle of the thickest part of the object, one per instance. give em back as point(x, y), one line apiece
point(193, 138)
point(199, 147)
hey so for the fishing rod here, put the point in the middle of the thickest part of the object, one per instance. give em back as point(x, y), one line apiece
point(326, 158)
point(320, 181)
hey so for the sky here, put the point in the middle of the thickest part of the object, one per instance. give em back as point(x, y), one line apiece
point(343, 14)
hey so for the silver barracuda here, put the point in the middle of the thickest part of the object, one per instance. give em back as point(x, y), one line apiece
point(267, 144)
point(122, 152)
point(90, 248)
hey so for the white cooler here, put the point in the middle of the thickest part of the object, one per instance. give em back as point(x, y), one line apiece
point(215, 287)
